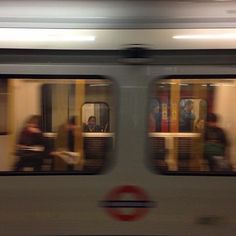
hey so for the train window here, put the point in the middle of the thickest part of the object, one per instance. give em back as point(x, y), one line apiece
point(47, 122)
point(191, 124)
point(95, 117)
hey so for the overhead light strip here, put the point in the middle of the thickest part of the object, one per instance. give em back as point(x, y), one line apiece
point(226, 36)
point(45, 35)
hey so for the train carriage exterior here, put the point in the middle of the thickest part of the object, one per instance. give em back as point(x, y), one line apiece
point(117, 60)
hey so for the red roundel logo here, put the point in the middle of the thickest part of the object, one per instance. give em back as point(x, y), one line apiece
point(119, 207)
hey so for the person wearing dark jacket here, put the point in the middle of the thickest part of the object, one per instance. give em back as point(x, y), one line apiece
point(66, 136)
point(215, 143)
point(92, 126)
point(30, 145)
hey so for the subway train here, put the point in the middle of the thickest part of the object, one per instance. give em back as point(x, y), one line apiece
point(117, 118)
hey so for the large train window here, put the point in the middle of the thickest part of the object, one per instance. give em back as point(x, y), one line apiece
point(191, 126)
point(61, 125)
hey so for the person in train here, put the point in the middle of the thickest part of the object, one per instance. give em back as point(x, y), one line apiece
point(216, 145)
point(91, 126)
point(66, 150)
point(154, 118)
point(30, 145)
point(66, 134)
point(187, 117)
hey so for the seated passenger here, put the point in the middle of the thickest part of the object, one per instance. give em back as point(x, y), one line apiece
point(30, 146)
point(68, 146)
point(216, 145)
point(91, 126)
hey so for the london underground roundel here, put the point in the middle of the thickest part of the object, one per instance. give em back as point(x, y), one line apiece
point(119, 207)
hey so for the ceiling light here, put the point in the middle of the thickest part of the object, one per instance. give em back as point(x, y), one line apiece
point(225, 36)
point(45, 35)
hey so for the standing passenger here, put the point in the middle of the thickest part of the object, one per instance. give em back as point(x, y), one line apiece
point(65, 140)
point(67, 145)
point(187, 117)
point(154, 118)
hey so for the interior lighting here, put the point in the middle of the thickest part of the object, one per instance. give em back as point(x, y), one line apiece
point(99, 85)
point(45, 35)
point(224, 36)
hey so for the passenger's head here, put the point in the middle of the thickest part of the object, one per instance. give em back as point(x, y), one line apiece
point(188, 106)
point(212, 118)
point(34, 121)
point(72, 122)
point(92, 121)
point(154, 106)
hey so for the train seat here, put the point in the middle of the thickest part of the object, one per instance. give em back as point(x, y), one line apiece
point(97, 151)
point(185, 148)
point(158, 152)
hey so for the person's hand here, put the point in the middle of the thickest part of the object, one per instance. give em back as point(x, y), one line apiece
point(34, 130)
